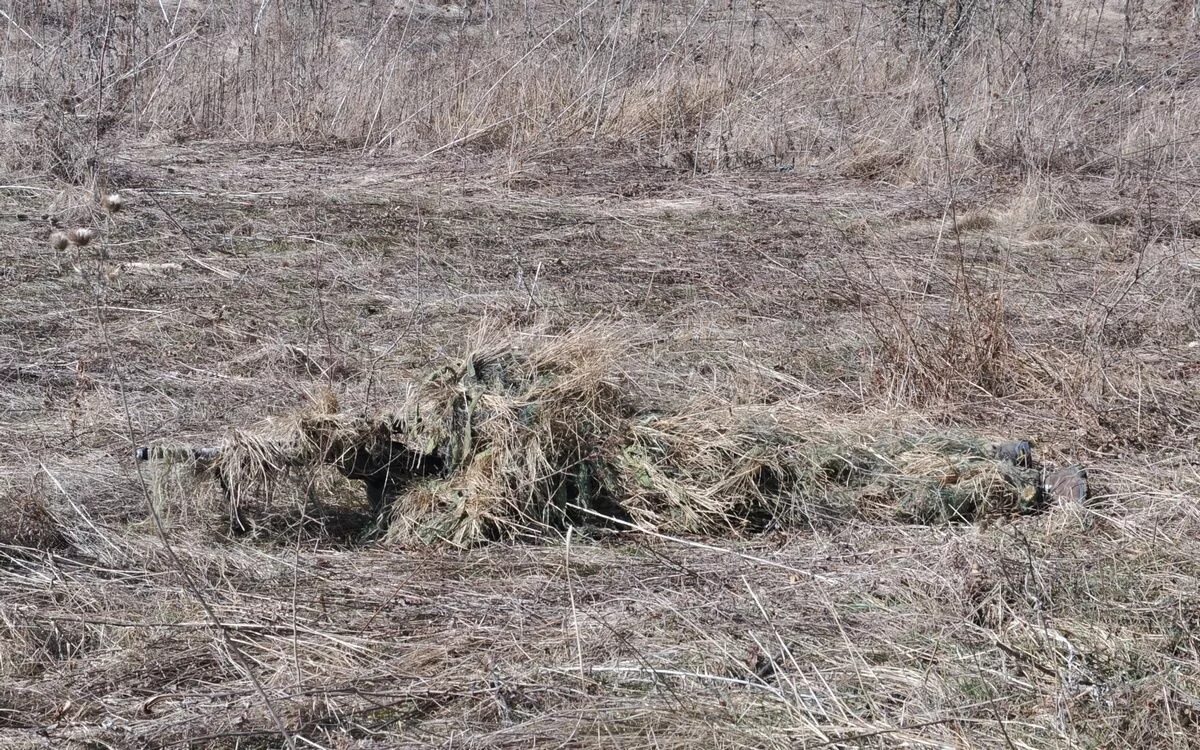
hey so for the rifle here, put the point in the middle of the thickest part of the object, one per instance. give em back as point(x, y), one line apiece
point(385, 468)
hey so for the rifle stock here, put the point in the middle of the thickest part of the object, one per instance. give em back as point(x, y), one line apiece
point(384, 470)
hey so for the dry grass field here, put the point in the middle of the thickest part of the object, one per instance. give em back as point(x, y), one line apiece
point(734, 243)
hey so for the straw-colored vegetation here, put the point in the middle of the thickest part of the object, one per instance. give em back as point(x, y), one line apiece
point(700, 322)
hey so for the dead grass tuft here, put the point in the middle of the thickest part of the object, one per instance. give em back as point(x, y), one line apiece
point(929, 357)
point(26, 518)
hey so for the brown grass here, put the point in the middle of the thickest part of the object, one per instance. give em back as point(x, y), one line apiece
point(863, 222)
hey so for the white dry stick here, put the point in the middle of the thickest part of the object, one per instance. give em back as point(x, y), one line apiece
point(262, 8)
point(23, 31)
point(702, 545)
point(658, 673)
point(574, 611)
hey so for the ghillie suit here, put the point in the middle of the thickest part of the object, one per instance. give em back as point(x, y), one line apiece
point(522, 439)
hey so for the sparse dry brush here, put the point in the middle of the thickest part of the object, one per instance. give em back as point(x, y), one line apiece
point(834, 246)
point(907, 90)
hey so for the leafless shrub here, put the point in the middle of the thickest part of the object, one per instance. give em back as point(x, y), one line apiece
point(927, 357)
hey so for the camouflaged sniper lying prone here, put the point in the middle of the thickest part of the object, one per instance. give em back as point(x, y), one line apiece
point(386, 464)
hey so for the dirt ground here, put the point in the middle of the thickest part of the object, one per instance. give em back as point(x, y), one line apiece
point(240, 282)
